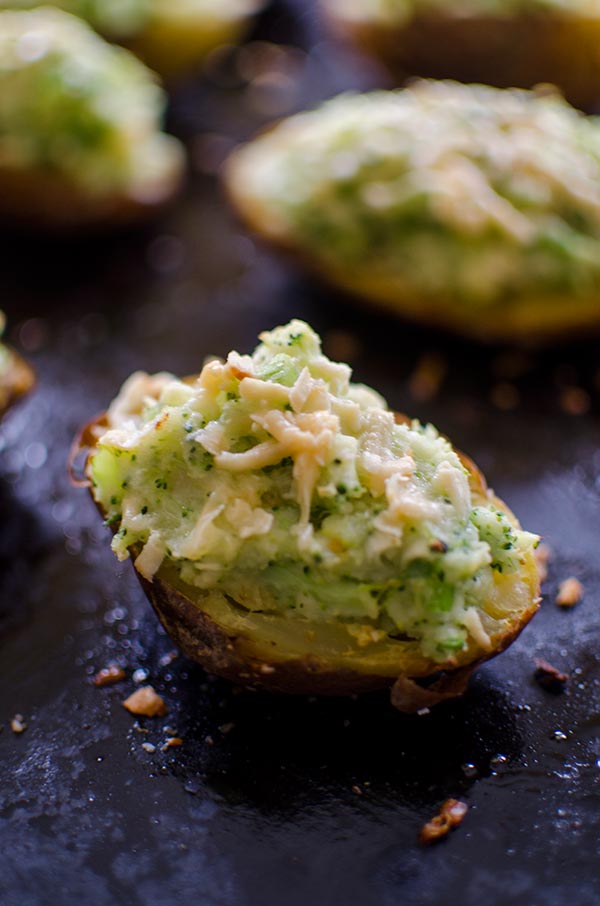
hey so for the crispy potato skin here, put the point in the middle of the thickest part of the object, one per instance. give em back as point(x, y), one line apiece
point(36, 200)
point(225, 654)
point(16, 382)
point(510, 51)
point(415, 681)
point(174, 48)
point(528, 319)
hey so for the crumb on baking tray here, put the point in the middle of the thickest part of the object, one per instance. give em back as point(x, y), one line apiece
point(570, 592)
point(18, 724)
point(550, 677)
point(146, 702)
point(108, 676)
point(172, 742)
point(450, 815)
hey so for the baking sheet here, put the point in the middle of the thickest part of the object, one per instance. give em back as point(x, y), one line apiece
point(275, 800)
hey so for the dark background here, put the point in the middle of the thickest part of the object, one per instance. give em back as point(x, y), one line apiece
point(275, 800)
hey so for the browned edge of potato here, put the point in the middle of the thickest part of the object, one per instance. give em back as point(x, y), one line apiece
point(37, 200)
point(176, 46)
point(520, 50)
point(528, 320)
point(230, 648)
point(16, 381)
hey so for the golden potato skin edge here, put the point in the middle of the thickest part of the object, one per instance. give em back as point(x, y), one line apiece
point(16, 382)
point(204, 641)
point(176, 49)
point(513, 51)
point(222, 653)
point(33, 200)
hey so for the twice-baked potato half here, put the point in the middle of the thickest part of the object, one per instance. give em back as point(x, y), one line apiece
point(293, 534)
point(80, 127)
point(501, 43)
point(16, 376)
point(473, 208)
point(171, 36)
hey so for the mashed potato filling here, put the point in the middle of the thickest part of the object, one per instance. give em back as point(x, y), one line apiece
point(275, 480)
point(74, 107)
point(466, 193)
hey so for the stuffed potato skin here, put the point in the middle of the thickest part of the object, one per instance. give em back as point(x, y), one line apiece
point(268, 652)
point(173, 37)
point(81, 142)
point(393, 218)
point(520, 49)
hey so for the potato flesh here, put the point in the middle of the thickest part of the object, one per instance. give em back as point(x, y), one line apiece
point(274, 639)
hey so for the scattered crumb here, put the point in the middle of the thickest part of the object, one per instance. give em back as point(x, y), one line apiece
point(356, 789)
point(425, 381)
point(139, 676)
point(209, 741)
point(146, 702)
point(172, 742)
point(108, 676)
point(138, 728)
point(148, 747)
point(574, 400)
point(18, 724)
point(449, 816)
point(550, 677)
point(543, 555)
point(505, 396)
point(226, 728)
point(570, 592)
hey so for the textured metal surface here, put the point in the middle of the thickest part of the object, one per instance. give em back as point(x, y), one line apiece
point(274, 800)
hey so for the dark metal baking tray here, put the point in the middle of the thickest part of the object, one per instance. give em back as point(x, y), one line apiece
point(274, 800)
